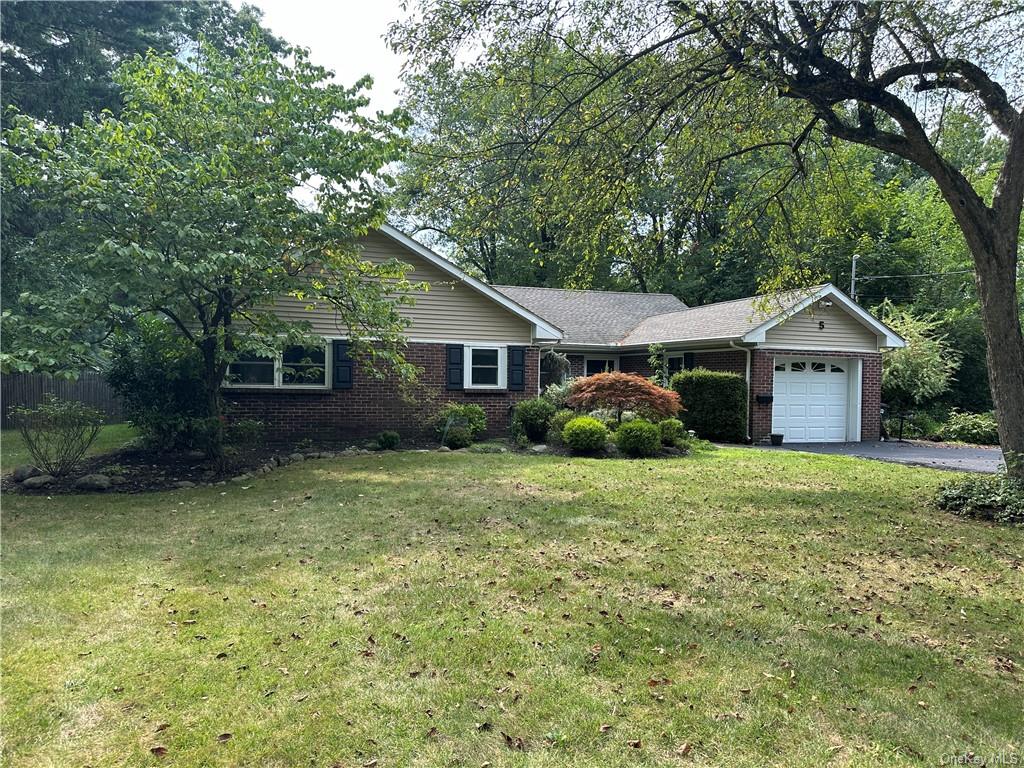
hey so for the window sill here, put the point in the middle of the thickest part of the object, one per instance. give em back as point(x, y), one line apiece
point(251, 388)
point(485, 390)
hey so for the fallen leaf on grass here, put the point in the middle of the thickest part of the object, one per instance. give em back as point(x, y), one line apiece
point(514, 742)
point(634, 743)
point(605, 727)
point(684, 749)
point(224, 737)
point(159, 750)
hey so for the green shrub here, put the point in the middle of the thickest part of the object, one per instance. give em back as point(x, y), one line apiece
point(997, 498)
point(557, 394)
point(714, 403)
point(638, 438)
point(922, 425)
point(388, 440)
point(977, 428)
point(244, 432)
point(533, 417)
point(558, 422)
point(673, 432)
point(467, 415)
point(57, 433)
point(458, 437)
point(158, 377)
point(585, 434)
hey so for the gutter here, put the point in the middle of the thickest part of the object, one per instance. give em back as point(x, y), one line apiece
point(749, 393)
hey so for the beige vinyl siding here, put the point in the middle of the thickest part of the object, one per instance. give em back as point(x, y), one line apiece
point(841, 332)
point(450, 310)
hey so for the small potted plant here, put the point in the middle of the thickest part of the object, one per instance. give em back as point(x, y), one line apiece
point(776, 438)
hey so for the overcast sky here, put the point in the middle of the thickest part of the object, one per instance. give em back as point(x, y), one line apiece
point(346, 36)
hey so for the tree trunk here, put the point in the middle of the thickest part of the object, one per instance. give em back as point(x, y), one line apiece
point(213, 375)
point(995, 275)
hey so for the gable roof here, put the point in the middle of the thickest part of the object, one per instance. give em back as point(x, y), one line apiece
point(723, 320)
point(543, 329)
point(592, 317)
point(604, 318)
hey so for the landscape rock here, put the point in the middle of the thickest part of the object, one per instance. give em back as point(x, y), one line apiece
point(443, 449)
point(118, 480)
point(24, 472)
point(94, 482)
point(184, 484)
point(241, 478)
point(296, 457)
point(539, 448)
point(37, 481)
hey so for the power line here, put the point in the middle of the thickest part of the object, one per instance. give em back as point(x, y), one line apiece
point(920, 274)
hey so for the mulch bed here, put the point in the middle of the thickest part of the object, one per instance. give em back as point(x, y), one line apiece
point(138, 470)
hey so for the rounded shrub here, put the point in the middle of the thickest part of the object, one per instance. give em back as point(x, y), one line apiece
point(585, 434)
point(672, 432)
point(533, 417)
point(468, 415)
point(458, 437)
point(388, 440)
point(638, 438)
point(558, 422)
point(977, 428)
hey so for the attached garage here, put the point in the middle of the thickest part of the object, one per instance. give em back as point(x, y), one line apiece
point(816, 400)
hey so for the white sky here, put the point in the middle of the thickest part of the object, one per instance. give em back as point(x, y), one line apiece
point(346, 36)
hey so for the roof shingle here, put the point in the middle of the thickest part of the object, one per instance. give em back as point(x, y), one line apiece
point(635, 319)
point(592, 317)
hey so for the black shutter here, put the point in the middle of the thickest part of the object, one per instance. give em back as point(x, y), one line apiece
point(689, 361)
point(517, 368)
point(342, 366)
point(455, 366)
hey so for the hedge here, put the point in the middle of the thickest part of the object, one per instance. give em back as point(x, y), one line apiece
point(714, 404)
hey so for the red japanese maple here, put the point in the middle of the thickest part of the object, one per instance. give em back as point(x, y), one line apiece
point(624, 392)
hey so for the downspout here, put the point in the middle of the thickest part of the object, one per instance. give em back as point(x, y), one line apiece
point(746, 377)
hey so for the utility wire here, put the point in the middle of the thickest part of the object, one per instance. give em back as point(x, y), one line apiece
point(921, 274)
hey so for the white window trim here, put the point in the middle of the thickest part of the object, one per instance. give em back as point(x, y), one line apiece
point(467, 366)
point(279, 375)
point(614, 358)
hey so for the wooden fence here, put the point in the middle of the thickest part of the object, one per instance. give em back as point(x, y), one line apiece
point(27, 390)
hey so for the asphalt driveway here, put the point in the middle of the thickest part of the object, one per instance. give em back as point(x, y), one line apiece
point(966, 458)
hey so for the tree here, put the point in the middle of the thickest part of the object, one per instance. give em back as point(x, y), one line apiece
point(920, 371)
point(871, 73)
point(59, 56)
point(623, 392)
point(225, 183)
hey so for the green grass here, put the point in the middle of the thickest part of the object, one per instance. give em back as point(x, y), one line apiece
point(765, 608)
point(13, 451)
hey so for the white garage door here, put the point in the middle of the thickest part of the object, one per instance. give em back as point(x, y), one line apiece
point(810, 400)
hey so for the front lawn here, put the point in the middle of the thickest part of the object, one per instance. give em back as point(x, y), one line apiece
point(736, 608)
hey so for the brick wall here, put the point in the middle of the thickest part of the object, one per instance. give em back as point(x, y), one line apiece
point(731, 361)
point(762, 381)
point(576, 366)
point(373, 404)
point(636, 364)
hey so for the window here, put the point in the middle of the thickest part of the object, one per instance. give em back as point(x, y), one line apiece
point(251, 371)
point(780, 366)
point(485, 367)
point(599, 365)
point(836, 369)
point(304, 366)
point(818, 367)
point(296, 366)
point(798, 367)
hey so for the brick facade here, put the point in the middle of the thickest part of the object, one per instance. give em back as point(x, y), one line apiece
point(637, 364)
point(338, 415)
point(762, 382)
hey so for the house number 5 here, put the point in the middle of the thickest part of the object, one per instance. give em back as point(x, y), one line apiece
point(821, 325)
